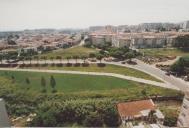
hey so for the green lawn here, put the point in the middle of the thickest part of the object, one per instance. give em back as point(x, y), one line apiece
point(70, 52)
point(163, 52)
point(108, 69)
point(82, 84)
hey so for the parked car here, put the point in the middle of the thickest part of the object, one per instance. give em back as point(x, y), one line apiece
point(123, 62)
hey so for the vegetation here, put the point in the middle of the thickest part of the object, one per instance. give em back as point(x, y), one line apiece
point(108, 68)
point(85, 99)
point(90, 113)
point(171, 110)
point(181, 41)
point(164, 52)
point(70, 52)
point(181, 66)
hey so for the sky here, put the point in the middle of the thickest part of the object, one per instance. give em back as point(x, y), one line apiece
point(35, 14)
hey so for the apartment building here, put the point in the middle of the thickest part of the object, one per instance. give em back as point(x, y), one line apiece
point(4, 120)
point(137, 40)
point(183, 120)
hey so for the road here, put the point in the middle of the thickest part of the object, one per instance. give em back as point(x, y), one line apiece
point(144, 81)
point(152, 70)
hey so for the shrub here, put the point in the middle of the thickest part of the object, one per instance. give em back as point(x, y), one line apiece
point(101, 64)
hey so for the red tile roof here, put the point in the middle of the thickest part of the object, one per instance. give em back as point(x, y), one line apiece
point(133, 108)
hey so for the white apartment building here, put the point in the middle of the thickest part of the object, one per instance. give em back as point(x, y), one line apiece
point(186, 25)
point(137, 40)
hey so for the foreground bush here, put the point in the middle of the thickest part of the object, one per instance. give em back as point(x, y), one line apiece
point(96, 113)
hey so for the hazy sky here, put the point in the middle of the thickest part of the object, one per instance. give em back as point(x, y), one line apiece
point(29, 14)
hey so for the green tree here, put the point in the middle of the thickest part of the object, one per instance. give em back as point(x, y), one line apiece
point(152, 116)
point(93, 120)
point(44, 58)
point(92, 55)
point(13, 79)
point(1, 59)
point(129, 55)
point(29, 58)
point(68, 58)
point(59, 58)
point(83, 58)
point(99, 57)
point(144, 92)
point(37, 59)
point(53, 83)
point(52, 59)
point(75, 57)
point(22, 58)
point(43, 84)
point(27, 82)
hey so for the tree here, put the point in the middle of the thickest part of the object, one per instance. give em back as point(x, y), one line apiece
point(37, 59)
point(29, 58)
point(93, 120)
point(117, 54)
point(45, 119)
point(22, 58)
point(99, 57)
point(129, 55)
point(152, 116)
point(83, 58)
point(144, 92)
point(1, 59)
point(92, 55)
point(27, 82)
point(13, 79)
point(43, 84)
point(44, 58)
point(59, 58)
point(179, 66)
point(75, 57)
point(52, 59)
point(53, 83)
point(68, 58)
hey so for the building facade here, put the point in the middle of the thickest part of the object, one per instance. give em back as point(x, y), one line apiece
point(183, 120)
point(4, 120)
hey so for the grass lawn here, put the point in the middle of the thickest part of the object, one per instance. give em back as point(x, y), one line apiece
point(70, 52)
point(163, 52)
point(74, 84)
point(108, 69)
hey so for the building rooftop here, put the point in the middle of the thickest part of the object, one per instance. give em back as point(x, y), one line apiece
point(134, 108)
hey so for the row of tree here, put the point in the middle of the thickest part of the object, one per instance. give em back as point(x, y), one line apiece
point(43, 83)
point(52, 84)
